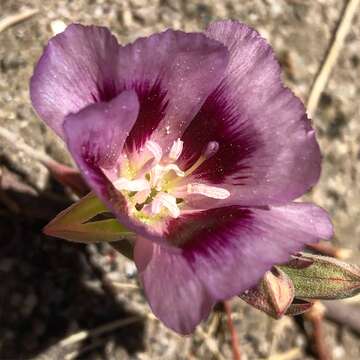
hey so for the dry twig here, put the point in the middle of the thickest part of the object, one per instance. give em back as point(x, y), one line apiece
point(328, 249)
point(18, 143)
point(233, 333)
point(332, 55)
point(75, 354)
point(127, 286)
point(293, 353)
point(16, 18)
point(316, 315)
point(343, 314)
point(103, 329)
point(210, 343)
point(65, 175)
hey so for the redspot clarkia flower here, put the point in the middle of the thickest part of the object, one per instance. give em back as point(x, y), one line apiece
point(195, 145)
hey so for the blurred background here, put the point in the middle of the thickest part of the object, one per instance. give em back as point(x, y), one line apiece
point(51, 289)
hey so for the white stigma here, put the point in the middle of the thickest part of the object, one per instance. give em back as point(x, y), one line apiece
point(176, 150)
point(155, 149)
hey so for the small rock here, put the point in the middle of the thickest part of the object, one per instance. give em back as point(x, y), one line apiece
point(338, 352)
point(130, 269)
point(57, 26)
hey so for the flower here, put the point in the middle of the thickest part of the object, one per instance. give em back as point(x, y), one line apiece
point(195, 145)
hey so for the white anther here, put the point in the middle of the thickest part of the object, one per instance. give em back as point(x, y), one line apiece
point(165, 200)
point(213, 192)
point(158, 171)
point(176, 149)
point(155, 149)
point(131, 185)
point(211, 149)
point(175, 168)
point(156, 174)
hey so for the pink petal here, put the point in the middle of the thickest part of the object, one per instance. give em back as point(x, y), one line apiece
point(176, 296)
point(184, 67)
point(76, 69)
point(95, 137)
point(224, 252)
point(267, 152)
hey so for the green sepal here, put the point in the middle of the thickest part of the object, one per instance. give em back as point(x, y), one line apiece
point(321, 277)
point(82, 222)
point(298, 306)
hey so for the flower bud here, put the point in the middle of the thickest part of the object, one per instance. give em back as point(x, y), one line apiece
point(321, 277)
point(273, 295)
point(298, 307)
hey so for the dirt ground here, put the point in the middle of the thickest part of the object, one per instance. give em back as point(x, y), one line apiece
point(51, 289)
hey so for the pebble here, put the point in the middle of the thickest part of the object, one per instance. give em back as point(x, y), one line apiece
point(57, 26)
point(130, 269)
point(338, 352)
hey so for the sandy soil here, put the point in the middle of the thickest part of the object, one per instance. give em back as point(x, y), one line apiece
point(51, 289)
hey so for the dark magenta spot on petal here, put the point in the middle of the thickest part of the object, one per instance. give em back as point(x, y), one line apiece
point(218, 121)
point(197, 230)
point(152, 110)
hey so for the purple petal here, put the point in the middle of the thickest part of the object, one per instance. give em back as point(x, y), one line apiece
point(225, 251)
point(153, 104)
point(77, 68)
point(268, 153)
point(176, 296)
point(96, 136)
point(186, 67)
point(172, 72)
point(239, 245)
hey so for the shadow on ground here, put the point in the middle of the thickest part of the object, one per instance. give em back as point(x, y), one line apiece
point(43, 292)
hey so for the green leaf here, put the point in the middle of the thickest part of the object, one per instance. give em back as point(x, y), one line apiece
point(321, 277)
point(87, 221)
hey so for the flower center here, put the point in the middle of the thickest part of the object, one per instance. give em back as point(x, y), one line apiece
point(156, 187)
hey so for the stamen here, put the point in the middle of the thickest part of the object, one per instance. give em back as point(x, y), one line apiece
point(210, 150)
point(194, 166)
point(158, 172)
point(131, 185)
point(153, 190)
point(165, 200)
point(176, 149)
point(213, 192)
point(155, 149)
point(175, 168)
